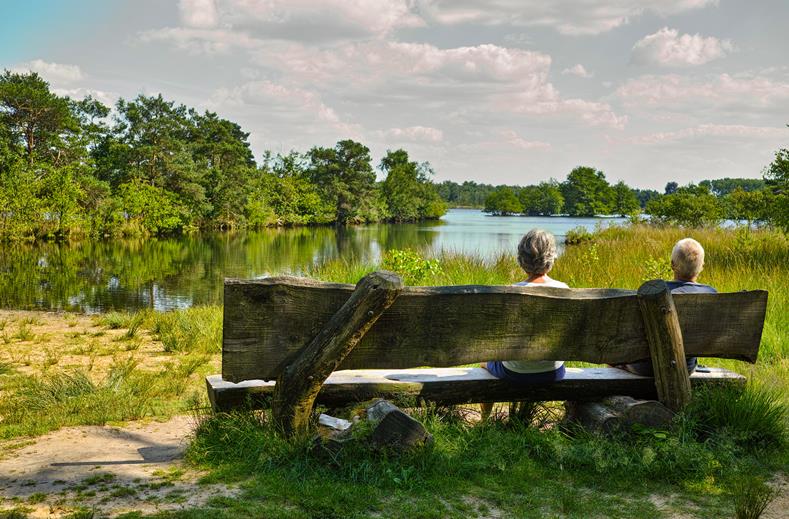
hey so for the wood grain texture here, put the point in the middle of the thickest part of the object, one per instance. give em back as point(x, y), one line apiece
point(450, 386)
point(298, 384)
point(267, 321)
point(666, 346)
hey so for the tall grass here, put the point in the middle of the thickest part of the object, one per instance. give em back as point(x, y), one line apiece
point(197, 329)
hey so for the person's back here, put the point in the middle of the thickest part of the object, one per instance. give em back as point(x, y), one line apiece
point(687, 262)
point(536, 255)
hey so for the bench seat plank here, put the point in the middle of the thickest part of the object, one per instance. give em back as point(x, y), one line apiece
point(449, 386)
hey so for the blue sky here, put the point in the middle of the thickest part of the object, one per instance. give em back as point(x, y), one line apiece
point(511, 91)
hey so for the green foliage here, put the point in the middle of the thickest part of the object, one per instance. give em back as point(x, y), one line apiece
point(586, 192)
point(624, 201)
point(407, 190)
point(753, 418)
point(197, 329)
point(751, 496)
point(503, 201)
point(578, 235)
point(687, 207)
point(544, 199)
point(411, 266)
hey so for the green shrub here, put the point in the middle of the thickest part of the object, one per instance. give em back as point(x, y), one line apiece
point(752, 418)
point(115, 320)
point(578, 235)
point(409, 264)
point(751, 496)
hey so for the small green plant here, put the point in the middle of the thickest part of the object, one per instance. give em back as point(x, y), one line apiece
point(751, 496)
point(24, 333)
point(134, 325)
point(115, 320)
point(578, 235)
point(657, 268)
point(409, 264)
point(6, 368)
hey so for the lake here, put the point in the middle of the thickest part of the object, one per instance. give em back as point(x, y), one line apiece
point(177, 272)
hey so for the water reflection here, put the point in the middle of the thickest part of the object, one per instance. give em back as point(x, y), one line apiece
point(179, 272)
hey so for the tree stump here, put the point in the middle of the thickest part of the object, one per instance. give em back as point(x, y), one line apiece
point(299, 383)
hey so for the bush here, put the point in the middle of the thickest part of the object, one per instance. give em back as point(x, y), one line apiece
point(751, 495)
point(578, 235)
point(409, 264)
point(752, 418)
point(196, 329)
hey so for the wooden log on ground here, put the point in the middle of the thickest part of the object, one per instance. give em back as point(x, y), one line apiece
point(299, 383)
point(666, 346)
point(267, 321)
point(593, 416)
point(649, 413)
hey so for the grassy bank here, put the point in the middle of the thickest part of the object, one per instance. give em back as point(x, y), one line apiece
point(60, 370)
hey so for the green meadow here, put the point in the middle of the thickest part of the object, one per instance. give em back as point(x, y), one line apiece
point(715, 460)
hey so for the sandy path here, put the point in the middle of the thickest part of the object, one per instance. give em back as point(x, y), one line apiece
point(109, 469)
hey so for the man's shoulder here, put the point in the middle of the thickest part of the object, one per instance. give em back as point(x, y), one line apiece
point(686, 287)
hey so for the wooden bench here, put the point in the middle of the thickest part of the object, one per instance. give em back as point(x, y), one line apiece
point(334, 343)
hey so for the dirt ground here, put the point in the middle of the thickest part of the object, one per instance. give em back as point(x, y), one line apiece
point(106, 469)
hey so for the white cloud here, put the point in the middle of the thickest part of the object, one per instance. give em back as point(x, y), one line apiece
point(668, 48)
point(566, 16)
point(53, 72)
point(200, 14)
point(577, 70)
point(672, 91)
point(107, 98)
point(415, 134)
point(511, 137)
point(286, 104)
point(201, 41)
point(717, 131)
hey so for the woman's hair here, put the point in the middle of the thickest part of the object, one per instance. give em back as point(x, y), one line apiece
point(537, 252)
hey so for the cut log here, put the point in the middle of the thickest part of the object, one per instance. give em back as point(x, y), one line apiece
point(268, 321)
point(666, 347)
point(649, 413)
point(299, 383)
point(593, 416)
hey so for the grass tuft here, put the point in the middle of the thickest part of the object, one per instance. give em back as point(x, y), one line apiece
point(751, 496)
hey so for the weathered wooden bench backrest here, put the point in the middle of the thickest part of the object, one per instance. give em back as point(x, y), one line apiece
point(267, 322)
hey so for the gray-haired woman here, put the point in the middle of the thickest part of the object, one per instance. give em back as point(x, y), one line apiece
point(536, 255)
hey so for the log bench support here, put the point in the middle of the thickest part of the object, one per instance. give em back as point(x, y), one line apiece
point(299, 383)
point(666, 347)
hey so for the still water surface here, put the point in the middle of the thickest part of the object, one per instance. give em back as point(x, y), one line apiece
point(183, 271)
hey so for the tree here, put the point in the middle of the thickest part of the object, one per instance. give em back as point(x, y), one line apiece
point(152, 142)
point(586, 192)
point(544, 199)
point(777, 177)
point(671, 188)
point(346, 180)
point(645, 195)
point(34, 115)
point(751, 206)
point(407, 190)
point(623, 200)
point(690, 206)
point(503, 201)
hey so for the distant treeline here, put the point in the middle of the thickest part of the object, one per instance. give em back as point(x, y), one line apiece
point(586, 192)
point(150, 166)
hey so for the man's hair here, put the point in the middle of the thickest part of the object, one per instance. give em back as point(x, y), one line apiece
point(687, 258)
point(537, 252)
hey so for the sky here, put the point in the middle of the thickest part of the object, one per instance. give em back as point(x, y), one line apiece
point(504, 91)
